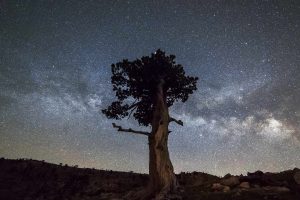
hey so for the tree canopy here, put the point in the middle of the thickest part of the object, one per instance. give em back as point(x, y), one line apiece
point(135, 84)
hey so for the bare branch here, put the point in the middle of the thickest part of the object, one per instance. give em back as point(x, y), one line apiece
point(176, 121)
point(133, 105)
point(129, 130)
point(131, 112)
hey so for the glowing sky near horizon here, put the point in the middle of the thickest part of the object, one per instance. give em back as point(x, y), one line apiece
point(55, 59)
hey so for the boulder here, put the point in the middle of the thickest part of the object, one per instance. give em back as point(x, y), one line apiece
point(257, 173)
point(276, 189)
point(282, 189)
point(231, 181)
point(217, 187)
point(220, 187)
point(244, 185)
point(227, 176)
point(226, 189)
point(297, 177)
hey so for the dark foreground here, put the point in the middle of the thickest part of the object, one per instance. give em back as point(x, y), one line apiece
point(38, 180)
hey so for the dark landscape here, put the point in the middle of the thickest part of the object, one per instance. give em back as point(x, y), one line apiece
point(39, 180)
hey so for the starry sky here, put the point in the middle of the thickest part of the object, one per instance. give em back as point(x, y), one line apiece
point(55, 59)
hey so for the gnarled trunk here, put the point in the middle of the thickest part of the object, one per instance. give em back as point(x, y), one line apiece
point(162, 177)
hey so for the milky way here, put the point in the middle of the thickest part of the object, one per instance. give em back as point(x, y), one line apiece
point(55, 59)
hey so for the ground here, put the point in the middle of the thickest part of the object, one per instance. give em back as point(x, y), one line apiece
point(25, 179)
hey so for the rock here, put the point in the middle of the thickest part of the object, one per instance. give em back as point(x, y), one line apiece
point(257, 173)
point(276, 189)
point(297, 177)
point(217, 187)
point(220, 187)
point(231, 181)
point(226, 189)
point(244, 185)
point(282, 189)
point(227, 176)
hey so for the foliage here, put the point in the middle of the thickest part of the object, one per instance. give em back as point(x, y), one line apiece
point(138, 80)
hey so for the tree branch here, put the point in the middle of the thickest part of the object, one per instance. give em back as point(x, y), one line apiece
point(176, 121)
point(131, 112)
point(133, 105)
point(129, 130)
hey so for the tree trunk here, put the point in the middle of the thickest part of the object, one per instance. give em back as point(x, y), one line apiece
point(162, 177)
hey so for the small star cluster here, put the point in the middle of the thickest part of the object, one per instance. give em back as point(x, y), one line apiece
point(55, 59)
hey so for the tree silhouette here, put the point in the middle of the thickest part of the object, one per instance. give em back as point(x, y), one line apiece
point(145, 88)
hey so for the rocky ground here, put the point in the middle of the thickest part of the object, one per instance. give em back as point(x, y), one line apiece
point(38, 180)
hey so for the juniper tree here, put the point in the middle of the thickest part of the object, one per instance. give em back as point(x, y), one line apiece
point(145, 88)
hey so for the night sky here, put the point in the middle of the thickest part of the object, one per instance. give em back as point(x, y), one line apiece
point(55, 59)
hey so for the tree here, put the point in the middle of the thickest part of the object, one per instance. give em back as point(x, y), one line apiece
point(145, 88)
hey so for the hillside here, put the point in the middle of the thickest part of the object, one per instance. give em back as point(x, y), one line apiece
point(37, 180)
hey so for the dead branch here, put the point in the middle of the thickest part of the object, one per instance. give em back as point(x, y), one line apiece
point(130, 130)
point(176, 121)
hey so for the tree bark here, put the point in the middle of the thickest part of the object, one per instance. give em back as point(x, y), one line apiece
point(162, 177)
